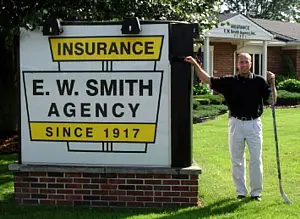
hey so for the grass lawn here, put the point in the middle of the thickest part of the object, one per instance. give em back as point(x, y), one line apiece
point(216, 186)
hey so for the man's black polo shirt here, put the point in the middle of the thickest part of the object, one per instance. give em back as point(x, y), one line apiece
point(244, 96)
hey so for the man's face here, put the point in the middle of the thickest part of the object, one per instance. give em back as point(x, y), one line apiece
point(244, 64)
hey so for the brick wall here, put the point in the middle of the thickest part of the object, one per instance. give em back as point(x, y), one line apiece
point(223, 59)
point(106, 189)
point(295, 57)
point(298, 64)
point(275, 59)
point(291, 53)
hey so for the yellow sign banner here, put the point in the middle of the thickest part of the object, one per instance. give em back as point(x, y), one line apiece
point(92, 132)
point(106, 48)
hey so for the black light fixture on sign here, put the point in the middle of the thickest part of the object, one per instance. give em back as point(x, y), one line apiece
point(52, 26)
point(131, 25)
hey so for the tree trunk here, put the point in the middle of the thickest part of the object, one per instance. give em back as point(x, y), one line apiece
point(9, 88)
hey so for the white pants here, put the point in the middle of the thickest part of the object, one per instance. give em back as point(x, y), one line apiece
point(238, 132)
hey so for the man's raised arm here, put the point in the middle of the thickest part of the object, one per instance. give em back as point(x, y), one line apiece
point(200, 72)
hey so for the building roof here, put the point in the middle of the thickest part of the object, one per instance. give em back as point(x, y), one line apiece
point(288, 29)
point(224, 17)
point(283, 31)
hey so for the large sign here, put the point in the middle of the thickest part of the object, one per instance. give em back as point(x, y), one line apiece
point(95, 96)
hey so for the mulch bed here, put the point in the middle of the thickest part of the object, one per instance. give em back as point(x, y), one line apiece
point(284, 107)
point(9, 144)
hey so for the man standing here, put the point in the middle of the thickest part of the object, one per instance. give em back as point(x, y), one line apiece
point(245, 94)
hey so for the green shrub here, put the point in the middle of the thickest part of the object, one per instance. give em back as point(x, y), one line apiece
point(291, 85)
point(204, 111)
point(201, 101)
point(200, 89)
point(204, 101)
point(216, 99)
point(280, 78)
point(196, 104)
point(213, 99)
point(287, 98)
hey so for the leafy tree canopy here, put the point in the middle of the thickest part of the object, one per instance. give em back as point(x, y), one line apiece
point(30, 14)
point(283, 10)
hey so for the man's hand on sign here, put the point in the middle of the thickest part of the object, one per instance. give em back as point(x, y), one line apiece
point(190, 59)
point(202, 75)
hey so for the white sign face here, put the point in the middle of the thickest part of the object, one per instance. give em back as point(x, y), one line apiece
point(93, 96)
point(239, 27)
point(239, 31)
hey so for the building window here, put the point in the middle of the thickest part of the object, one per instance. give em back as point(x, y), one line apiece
point(256, 53)
point(256, 63)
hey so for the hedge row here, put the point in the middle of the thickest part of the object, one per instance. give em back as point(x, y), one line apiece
point(284, 98)
point(204, 111)
point(208, 99)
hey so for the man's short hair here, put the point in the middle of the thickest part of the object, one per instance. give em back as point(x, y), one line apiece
point(244, 54)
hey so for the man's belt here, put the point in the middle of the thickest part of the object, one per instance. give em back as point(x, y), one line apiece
point(243, 118)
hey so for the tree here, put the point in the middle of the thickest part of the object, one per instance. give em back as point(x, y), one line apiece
point(283, 10)
point(30, 14)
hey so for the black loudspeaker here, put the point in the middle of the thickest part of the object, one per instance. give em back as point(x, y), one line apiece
point(52, 26)
point(131, 25)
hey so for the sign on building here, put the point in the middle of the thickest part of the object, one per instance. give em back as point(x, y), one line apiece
point(95, 96)
point(239, 27)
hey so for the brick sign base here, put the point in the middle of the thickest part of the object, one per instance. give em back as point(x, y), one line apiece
point(106, 187)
